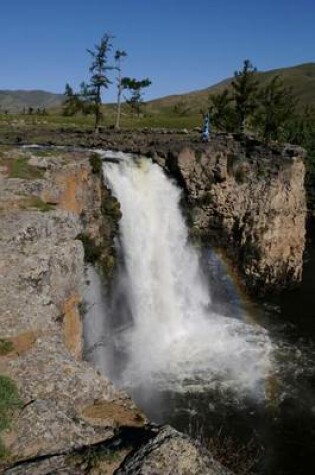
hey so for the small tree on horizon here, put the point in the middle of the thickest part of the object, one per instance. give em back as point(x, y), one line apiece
point(72, 103)
point(135, 88)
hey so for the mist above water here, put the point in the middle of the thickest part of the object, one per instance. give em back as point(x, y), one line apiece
point(169, 334)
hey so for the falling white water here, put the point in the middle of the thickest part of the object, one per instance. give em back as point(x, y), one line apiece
point(173, 337)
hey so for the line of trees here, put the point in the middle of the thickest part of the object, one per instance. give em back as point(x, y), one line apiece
point(267, 109)
point(89, 98)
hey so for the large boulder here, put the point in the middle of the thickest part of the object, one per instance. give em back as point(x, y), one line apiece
point(171, 453)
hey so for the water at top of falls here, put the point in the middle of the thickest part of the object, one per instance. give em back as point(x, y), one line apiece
point(174, 335)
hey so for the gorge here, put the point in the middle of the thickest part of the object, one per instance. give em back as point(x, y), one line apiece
point(249, 200)
point(173, 327)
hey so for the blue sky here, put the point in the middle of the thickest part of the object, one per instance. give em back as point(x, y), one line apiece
point(180, 45)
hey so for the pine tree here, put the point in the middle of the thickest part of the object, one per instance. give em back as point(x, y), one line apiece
point(300, 129)
point(99, 75)
point(276, 109)
point(245, 87)
point(222, 113)
point(71, 104)
point(135, 88)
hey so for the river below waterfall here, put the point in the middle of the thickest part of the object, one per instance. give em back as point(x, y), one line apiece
point(277, 432)
point(176, 332)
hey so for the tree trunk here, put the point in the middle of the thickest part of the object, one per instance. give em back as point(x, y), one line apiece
point(98, 103)
point(117, 124)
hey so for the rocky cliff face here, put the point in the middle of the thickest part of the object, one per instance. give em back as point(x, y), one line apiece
point(71, 419)
point(42, 273)
point(246, 199)
point(249, 202)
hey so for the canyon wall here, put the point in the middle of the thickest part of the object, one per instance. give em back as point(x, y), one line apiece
point(55, 212)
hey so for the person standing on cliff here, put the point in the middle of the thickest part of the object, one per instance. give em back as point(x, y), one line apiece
point(206, 128)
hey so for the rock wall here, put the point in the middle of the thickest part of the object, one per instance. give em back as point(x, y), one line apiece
point(248, 201)
point(42, 278)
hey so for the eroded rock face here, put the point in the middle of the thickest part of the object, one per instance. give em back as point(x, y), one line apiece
point(42, 278)
point(250, 202)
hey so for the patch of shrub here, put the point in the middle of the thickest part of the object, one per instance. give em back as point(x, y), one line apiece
point(92, 252)
point(19, 168)
point(110, 207)
point(37, 203)
point(96, 163)
point(6, 346)
point(9, 402)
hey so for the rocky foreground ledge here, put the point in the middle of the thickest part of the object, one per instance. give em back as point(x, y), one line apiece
point(68, 418)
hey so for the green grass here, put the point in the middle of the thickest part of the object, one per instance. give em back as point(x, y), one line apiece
point(19, 168)
point(37, 203)
point(153, 115)
point(43, 153)
point(162, 120)
point(5, 346)
point(9, 402)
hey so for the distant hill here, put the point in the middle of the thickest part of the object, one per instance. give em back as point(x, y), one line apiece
point(15, 101)
point(301, 78)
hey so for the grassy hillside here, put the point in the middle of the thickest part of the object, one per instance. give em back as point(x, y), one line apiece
point(15, 101)
point(301, 78)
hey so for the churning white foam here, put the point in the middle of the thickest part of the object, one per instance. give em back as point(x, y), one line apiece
point(173, 337)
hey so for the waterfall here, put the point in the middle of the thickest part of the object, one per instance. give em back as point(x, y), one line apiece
point(172, 335)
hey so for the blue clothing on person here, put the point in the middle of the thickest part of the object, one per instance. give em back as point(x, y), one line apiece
point(206, 128)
